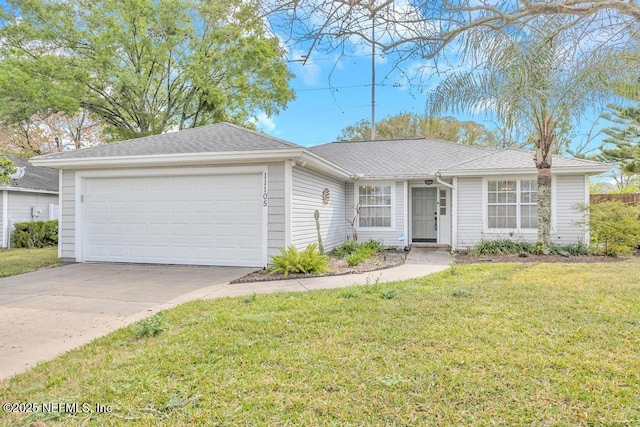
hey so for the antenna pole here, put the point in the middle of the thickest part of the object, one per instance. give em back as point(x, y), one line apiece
point(373, 77)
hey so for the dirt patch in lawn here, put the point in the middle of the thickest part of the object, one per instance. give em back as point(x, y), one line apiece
point(465, 258)
point(337, 266)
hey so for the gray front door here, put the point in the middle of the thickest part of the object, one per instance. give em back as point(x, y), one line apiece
point(424, 214)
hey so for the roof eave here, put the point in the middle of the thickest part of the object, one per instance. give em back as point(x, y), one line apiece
point(27, 190)
point(169, 159)
point(319, 163)
point(195, 159)
point(587, 170)
point(363, 177)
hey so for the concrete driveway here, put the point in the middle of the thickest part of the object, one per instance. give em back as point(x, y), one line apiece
point(50, 311)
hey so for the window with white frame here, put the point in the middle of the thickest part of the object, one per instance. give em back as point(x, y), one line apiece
point(512, 204)
point(443, 201)
point(375, 205)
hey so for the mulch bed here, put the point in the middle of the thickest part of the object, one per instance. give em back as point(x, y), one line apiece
point(465, 258)
point(392, 258)
point(337, 266)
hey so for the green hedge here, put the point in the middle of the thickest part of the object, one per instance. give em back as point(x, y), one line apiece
point(36, 234)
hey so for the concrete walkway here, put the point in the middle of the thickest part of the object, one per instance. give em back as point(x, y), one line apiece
point(51, 311)
point(420, 262)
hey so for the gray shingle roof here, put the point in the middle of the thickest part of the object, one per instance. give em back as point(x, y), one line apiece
point(516, 158)
point(420, 156)
point(35, 178)
point(397, 157)
point(219, 137)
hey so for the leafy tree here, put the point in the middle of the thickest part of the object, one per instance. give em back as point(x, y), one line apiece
point(623, 143)
point(7, 168)
point(50, 134)
point(614, 227)
point(411, 125)
point(141, 66)
point(424, 28)
point(532, 83)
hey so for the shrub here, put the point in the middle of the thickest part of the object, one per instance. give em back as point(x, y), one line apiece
point(374, 245)
point(573, 249)
point(502, 246)
point(355, 253)
point(291, 260)
point(345, 249)
point(363, 253)
point(614, 228)
point(36, 234)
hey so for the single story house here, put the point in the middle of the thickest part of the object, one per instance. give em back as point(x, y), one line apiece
point(31, 195)
point(225, 195)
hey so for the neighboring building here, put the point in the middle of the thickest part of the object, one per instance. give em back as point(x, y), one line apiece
point(225, 195)
point(32, 197)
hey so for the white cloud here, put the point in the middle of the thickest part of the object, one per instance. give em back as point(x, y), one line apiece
point(265, 123)
point(309, 71)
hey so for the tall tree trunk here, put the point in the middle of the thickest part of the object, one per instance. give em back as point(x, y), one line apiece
point(544, 156)
point(544, 209)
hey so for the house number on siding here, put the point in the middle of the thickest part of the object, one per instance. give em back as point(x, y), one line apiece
point(265, 189)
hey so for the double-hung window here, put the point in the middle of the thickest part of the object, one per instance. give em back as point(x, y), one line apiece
point(375, 205)
point(512, 204)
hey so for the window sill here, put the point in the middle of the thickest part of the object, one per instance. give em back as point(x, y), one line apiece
point(510, 230)
point(376, 228)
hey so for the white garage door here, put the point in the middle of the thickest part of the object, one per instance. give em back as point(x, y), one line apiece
point(200, 220)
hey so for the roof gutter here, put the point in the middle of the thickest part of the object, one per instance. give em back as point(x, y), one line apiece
point(362, 177)
point(301, 155)
point(589, 170)
point(27, 190)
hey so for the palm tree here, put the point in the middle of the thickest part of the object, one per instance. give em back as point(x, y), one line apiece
point(538, 83)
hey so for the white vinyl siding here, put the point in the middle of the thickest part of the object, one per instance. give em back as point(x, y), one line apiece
point(570, 196)
point(307, 192)
point(66, 227)
point(388, 236)
point(277, 218)
point(568, 192)
point(469, 211)
point(20, 205)
point(3, 199)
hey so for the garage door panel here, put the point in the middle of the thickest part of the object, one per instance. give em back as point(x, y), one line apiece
point(116, 250)
point(206, 220)
point(158, 207)
point(160, 252)
point(118, 230)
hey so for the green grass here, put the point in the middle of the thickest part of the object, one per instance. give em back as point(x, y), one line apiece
point(504, 344)
point(18, 261)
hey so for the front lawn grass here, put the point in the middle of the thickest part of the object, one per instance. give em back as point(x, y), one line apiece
point(18, 261)
point(504, 344)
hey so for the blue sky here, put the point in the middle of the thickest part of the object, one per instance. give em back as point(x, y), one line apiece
point(332, 93)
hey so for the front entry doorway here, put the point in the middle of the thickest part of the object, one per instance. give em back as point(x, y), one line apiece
point(424, 215)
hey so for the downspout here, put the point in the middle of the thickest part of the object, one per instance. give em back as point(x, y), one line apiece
point(587, 202)
point(288, 195)
point(5, 218)
point(407, 194)
point(454, 207)
point(60, 216)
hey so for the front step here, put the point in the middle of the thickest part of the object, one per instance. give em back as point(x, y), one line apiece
point(430, 245)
